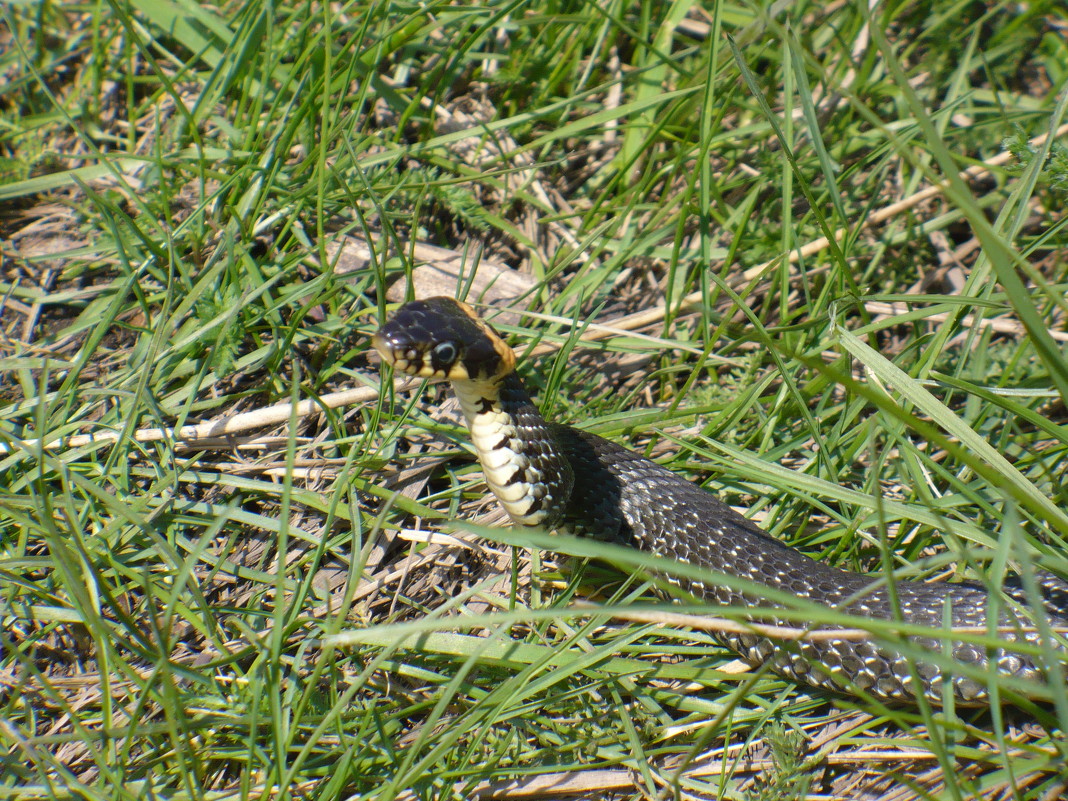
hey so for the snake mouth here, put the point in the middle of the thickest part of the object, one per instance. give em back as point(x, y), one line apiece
point(415, 359)
point(404, 358)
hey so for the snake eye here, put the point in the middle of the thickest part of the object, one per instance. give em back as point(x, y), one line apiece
point(444, 355)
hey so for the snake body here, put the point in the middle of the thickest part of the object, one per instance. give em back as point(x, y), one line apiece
point(562, 478)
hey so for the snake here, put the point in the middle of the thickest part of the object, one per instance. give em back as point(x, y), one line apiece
point(557, 477)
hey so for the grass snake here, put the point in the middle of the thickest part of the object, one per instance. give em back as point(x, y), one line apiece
point(558, 477)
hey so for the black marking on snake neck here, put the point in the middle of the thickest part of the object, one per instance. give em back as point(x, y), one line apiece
point(516, 477)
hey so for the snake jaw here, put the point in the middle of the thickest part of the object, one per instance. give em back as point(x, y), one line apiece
point(411, 360)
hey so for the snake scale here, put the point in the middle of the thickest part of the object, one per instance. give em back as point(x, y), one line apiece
point(557, 477)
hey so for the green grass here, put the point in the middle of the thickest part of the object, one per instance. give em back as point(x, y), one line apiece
point(246, 617)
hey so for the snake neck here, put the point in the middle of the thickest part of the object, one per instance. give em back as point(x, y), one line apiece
point(526, 471)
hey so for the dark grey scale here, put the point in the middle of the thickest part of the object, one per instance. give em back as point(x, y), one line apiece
point(519, 475)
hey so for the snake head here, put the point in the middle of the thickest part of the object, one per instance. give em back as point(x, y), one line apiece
point(443, 338)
